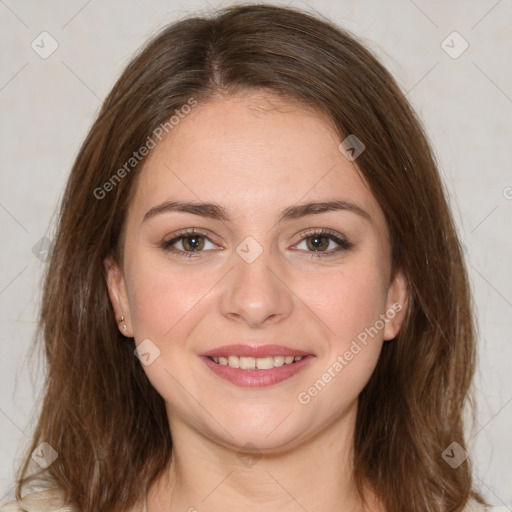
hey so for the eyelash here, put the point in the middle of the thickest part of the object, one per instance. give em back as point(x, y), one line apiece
point(344, 245)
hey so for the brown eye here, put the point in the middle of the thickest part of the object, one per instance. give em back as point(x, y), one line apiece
point(193, 242)
point(188, 243)
point(318, 241)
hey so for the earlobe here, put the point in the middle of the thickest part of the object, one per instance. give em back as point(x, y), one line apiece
point(118, 296)
point(396, 305)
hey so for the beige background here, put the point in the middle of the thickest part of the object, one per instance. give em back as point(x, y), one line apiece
point(47, 106)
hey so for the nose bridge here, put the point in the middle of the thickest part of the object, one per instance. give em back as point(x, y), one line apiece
point(255, 293)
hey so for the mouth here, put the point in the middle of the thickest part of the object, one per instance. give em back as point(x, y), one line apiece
point(255, 363)
point(256, 366)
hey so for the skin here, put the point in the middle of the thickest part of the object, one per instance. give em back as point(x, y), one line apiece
point(255, 155)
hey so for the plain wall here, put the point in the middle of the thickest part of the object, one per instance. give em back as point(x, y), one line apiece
point(48, 104)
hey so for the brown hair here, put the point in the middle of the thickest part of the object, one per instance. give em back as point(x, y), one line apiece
point(101, 413)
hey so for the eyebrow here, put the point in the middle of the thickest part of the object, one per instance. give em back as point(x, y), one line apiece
point(218, 212)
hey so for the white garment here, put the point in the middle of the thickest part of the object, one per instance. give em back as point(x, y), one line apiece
point(49, 500)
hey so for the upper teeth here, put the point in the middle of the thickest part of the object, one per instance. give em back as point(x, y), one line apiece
point(252, 363)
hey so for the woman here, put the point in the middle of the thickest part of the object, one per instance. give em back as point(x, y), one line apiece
point(257, 298)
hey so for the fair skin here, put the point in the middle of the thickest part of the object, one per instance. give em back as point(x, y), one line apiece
point(256, 156)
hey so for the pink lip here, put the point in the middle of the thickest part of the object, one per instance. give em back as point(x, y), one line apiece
point(256, 378)
point(254, 351)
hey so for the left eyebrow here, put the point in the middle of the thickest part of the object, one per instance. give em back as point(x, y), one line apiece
point(218, 212)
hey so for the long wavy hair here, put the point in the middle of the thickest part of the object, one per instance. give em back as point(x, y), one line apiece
point(100, 412)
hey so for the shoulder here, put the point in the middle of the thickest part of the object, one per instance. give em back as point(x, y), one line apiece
point(48, 500)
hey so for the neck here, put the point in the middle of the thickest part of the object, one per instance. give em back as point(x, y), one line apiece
point(207, 475)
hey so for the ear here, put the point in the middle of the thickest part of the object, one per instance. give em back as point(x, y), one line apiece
point(118, 296)
point(396, 305)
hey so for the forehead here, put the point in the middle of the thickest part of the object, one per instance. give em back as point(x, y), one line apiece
point(253, 153)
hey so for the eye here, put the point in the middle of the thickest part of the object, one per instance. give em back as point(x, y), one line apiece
point(317, 241)
point(191, 241)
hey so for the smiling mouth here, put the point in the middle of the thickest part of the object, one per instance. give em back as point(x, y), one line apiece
point(255, 363)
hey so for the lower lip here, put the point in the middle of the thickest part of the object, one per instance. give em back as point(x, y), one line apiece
point(256, 378)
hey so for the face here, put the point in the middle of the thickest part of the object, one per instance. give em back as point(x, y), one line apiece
point(258, 269)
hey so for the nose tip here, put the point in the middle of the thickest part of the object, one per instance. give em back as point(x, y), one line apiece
point(254, 292)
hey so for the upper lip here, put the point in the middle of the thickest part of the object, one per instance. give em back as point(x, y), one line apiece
point(253, 350)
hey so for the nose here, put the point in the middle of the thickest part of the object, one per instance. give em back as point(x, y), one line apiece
point(256, 292)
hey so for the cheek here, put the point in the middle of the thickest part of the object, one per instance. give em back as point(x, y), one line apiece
point(350, 300)
point(166, 305)
point(350, 304)
point(162, 296)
